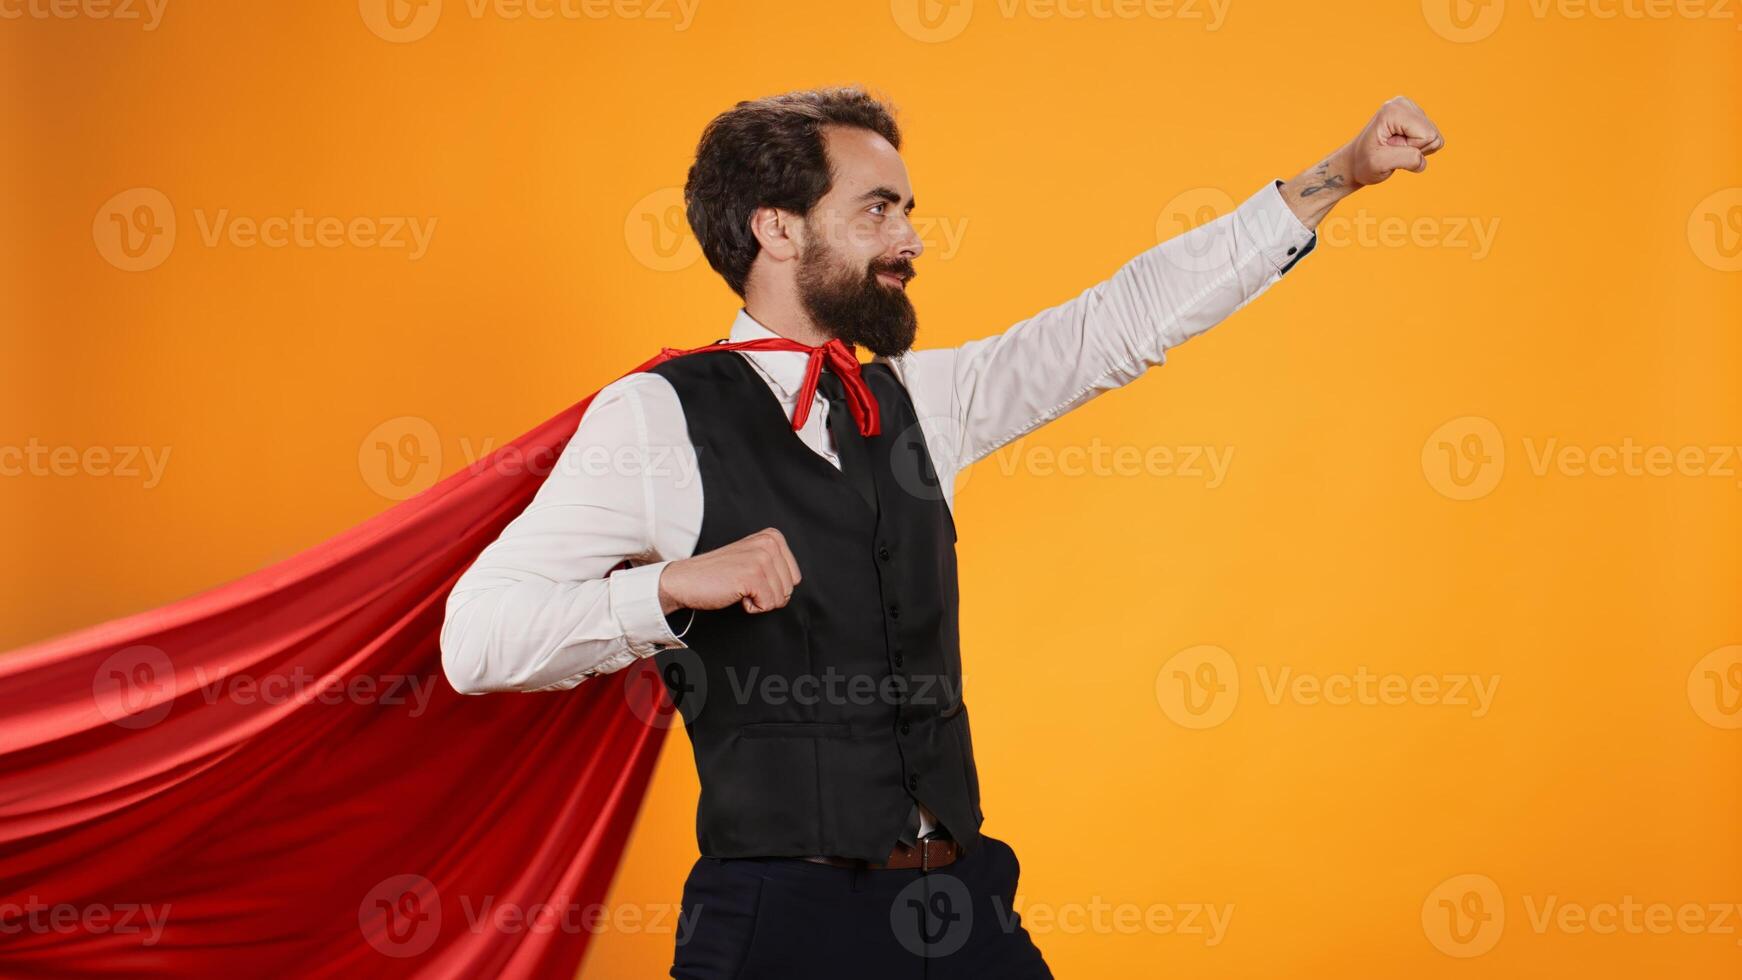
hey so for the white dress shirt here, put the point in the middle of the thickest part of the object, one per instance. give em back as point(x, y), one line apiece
point(538, 611)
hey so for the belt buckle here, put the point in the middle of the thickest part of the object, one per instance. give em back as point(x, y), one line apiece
point(925, 851)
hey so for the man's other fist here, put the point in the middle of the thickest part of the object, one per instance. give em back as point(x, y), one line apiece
point(1399, 137)
point(757, 570)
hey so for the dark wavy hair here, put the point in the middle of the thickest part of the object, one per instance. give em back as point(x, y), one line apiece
point(769, 153)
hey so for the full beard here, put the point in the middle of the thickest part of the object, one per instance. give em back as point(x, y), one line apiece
point(857, 308)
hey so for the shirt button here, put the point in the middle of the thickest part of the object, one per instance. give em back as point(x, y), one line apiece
point(906, 728)
point(898, 660)
point(883, 553)
point(913, 782)
point(895, 610)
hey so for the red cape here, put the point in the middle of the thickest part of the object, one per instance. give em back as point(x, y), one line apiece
point(179, 798)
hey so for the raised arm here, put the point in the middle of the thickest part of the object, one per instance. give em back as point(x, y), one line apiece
point(982, 395)
point(988, 392)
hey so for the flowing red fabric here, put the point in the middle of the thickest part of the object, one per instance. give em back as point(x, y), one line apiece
point(274, 778)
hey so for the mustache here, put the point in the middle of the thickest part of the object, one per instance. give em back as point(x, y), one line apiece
point(899, 267)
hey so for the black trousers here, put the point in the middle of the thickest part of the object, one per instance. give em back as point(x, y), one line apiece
point(791, 919)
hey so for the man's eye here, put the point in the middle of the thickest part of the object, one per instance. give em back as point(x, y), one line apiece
point(878, 208)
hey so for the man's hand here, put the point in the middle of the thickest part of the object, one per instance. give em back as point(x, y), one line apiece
point(757, 570)
point(1399, 137)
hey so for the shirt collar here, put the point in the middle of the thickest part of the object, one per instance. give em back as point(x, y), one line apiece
point(784, 367)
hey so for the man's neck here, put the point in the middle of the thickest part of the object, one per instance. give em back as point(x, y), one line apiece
point(786, 317)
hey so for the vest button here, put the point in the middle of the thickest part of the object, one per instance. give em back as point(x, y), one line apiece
point(895, 610)
point(898, 660)
point(883, 553)
point(906, 728)
point(913, 782)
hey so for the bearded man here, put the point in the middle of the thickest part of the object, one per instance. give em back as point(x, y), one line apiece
point(782, 516)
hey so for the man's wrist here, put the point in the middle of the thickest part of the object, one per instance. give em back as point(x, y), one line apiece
point(667, 604)
point(1314, 191)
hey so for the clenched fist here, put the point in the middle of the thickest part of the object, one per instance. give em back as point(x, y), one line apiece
point(1399, 137)
point(758, 571)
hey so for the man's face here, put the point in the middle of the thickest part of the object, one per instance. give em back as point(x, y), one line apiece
point(858, 250)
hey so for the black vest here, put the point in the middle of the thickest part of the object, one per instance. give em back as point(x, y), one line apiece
point(817, 725)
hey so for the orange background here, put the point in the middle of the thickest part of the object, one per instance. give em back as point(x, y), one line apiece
point(1604, 311)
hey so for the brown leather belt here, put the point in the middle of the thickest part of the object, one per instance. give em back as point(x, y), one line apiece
point(928, 853)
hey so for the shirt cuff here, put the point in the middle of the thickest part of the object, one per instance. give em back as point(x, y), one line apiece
point(1280, 234)
point(635, 603)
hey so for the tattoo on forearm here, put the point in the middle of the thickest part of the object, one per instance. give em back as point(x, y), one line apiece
point(1326, 180)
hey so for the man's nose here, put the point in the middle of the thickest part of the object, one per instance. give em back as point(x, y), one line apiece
point(910, 246)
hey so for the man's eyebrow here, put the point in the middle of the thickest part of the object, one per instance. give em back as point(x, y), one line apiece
point(885, 194)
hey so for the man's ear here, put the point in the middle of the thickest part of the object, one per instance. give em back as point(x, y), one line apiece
point(774, 230)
